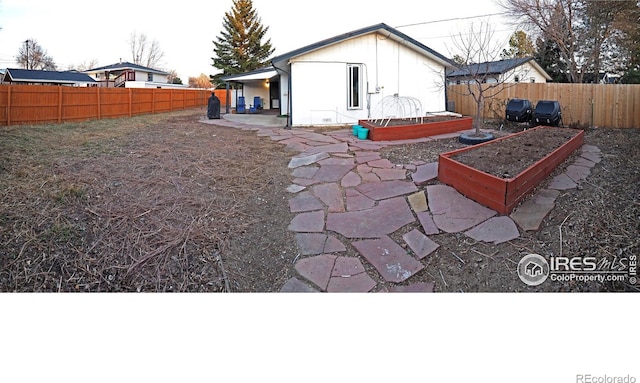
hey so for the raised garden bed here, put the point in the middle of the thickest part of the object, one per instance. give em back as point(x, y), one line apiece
point(500, 173)
point(405, 129)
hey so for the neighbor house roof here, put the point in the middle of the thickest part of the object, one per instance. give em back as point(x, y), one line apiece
point(125, 66)
point(382, 28)
point(496, 67)
point(46, 76)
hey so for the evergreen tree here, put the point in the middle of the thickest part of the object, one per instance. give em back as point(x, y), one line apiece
point(239, 48)
point(520, 45)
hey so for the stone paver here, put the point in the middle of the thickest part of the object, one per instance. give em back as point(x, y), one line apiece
point(295, 189)
point(294, 285)
point(418, 202)
point(581, 161)
point(391, 260)
point(562, 182)
point(331, 195)
point(389, 216)
point(420, 243)
point(496, 230)
point(357, 201)
point(304, 201)
point(312, 222)
point(332, 173)
point(577, 173)
point(296, 162)
point(382, 164)
point(452, 212)
point(316, 243)
point(317, 269)
point(387, 189)
point(349, 275)
point(426, 220)
point(530, 214)
point(592, 156)
point(332, 148)
point(350, 180)
point(425, 173)
point(305, 172)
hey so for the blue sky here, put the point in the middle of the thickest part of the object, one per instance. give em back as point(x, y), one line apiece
point(75, 31)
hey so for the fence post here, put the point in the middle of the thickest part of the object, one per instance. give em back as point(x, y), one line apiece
point(59, 104)
point(99, 103)
point(9, 105)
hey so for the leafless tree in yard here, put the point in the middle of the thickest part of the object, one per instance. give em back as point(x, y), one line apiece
point(584, 31)
point(477, 48)
point(203, 81)
point(145, 52)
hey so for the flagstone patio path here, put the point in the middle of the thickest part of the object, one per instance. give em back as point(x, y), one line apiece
point(345, 196)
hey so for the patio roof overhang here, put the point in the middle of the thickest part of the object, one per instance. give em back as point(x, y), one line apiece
point(251, 76)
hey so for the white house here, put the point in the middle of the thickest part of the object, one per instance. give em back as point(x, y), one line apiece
point(128, 75)
point(357, 75)
point(524, 69)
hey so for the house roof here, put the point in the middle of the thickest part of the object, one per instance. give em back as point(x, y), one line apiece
point(258, 74)
point(382, 28)
point(496, 67)
point(125, 65)
point(46, 76)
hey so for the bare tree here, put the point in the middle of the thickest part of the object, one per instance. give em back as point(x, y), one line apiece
point(478, 48)
point(32, 56)
point(85, 65)
point(582, 30)
point(145, 52)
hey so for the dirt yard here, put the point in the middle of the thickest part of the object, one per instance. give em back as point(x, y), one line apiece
point(165, 203)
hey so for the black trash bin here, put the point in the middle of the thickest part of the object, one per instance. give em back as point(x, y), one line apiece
point(213, 110)
point(548, 113)
point(519, 110)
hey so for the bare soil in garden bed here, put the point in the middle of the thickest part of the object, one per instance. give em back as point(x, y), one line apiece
point(507, 158)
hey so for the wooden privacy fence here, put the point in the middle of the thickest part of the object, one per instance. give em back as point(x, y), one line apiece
point(39, 104)
point(602, 105)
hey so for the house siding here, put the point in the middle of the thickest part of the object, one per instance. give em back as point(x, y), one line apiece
point(389, 67)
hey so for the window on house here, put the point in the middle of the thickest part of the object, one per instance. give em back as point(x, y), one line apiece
point(516, 78)
point(354, 91)
point(532, 79)
point(150, 77)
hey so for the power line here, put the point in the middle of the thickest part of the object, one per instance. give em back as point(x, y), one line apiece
point(452, 19)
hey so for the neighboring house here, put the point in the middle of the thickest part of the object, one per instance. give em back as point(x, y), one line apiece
point(515, 70)
point(46, 77)
point(346, 78)
point(128, 75)
point(603, 78)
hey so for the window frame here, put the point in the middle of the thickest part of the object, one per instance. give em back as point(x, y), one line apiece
point(354, 90)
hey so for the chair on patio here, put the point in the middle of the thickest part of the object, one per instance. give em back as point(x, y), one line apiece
point(257, 105)
point(241, 107)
